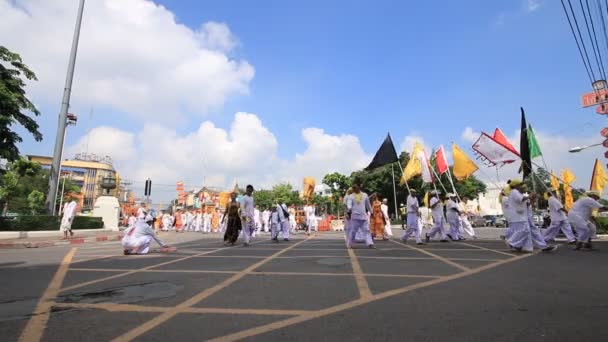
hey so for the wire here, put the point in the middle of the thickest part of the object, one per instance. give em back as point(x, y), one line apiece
point(595, 46)
point(578, 45)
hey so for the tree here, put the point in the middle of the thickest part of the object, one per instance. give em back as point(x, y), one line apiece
point(338, 184)
point(263, 198)
point(36, 201)
point(8, 189)
point(285, 193)
point(14, 105)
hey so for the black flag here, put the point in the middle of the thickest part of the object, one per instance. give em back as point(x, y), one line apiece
point(385, 155)
point(524, 148)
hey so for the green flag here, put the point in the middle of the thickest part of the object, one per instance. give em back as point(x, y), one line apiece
point(533, 144)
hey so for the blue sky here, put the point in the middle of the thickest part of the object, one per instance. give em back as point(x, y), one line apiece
point(426, 69)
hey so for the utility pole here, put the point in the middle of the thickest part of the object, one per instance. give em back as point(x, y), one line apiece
point(63, 116)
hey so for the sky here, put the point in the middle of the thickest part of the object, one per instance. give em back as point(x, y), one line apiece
point(217, 92)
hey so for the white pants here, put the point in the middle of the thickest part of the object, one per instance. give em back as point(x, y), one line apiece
point(265, 225)
point(585, 230)
point(274, 230)
point(360, 226)
point(413, 228)
point(526, 237)
point(293, 224)
point(139, 245)
point(455, 228)
point(388, 229)
point(467, 227)
point(554, 229)
point(438, 228)
point(248, 230)
point(166, 226)
point(285, 229)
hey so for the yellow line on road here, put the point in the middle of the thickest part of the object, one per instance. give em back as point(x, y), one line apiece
point(440, 258)
point(35, 327)
point(487, 249)
point(362, 285)
point(339, 308)
point(167, 315)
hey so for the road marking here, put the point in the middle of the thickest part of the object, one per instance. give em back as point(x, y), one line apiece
point(339, 308)
point(111, 307)
point(487, 249)
point(139, 270)
point(149, 271)
point(35, 327)
point(167, 315)
point(362, 285)
point(449, 262)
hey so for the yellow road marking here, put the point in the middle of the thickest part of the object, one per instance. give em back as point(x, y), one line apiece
point(449, 262)
point(339, 308)
point(362, 285)
point(140, 308)
point(151, 324)
point(487, 249)
point(149, 271)
point(35, 327)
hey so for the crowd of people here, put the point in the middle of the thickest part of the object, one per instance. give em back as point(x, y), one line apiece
point(367, 220)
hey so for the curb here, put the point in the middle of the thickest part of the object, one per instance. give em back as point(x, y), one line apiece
point(54, 243)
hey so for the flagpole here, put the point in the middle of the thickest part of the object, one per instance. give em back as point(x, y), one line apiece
point(438, 179)
point(406, 184)
point(394, 189)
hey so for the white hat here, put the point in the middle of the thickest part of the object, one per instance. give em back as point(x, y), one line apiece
point(449, 195)
point(435, 192)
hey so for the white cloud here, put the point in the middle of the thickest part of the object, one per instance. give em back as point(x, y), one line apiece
point(469, 135)
point(133, 56)
point(532, 5)
point(247, 152)
point(408, 142)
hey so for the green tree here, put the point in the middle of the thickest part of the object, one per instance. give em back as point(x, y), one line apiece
point(338, 184)
point(14, 105)
point(36, 201)
point(285, 193)
point(8, 189)
point(263, 198)
point(13, 182)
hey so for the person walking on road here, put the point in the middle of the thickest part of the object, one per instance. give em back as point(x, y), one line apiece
point(413, 222)
point(581, 218)
point(559, 220)
point(233, 223)
point(358, 209)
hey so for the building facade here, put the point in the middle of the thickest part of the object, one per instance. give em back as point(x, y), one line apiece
point(86, 171)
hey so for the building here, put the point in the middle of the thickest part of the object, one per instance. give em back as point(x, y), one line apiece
point(86, 171)
point(488, 203)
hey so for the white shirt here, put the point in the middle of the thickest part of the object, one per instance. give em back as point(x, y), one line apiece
point(358, 211)
point(247, 207)
point(449, 213)
point(256, 215)
point(505, 208)
point(518, 207)
point(265, 215)
point(274, 218)
point(437, 211)
point(412, 205)
point(584, 206)
point(554, 210)
point(282, 217)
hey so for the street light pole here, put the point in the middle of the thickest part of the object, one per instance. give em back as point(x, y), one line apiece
point(580, 148)
point(63, 116)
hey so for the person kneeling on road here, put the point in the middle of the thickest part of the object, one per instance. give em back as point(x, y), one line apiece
point(137, 239)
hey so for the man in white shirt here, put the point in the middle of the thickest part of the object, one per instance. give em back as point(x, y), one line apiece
point(465, 210)
point(559, 220)
point(357, 212)
point(198, 222)
point(247, 215)
point(506, 211)
point(207, 222)
point(283, 220)
point(137, 239)
point(274, 224)
point(438, 219)
point(452, 213)
point(523, 237)
point(309, 212)
point(581, 218)
point(265, 220)
point(167, 222)
point(257, 220)
point(388, 229)
point(413, 223)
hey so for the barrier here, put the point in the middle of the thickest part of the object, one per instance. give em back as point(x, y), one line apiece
point(324, 226)
point(337, 225)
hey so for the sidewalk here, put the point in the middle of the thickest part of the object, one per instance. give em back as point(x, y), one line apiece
point(55, 238)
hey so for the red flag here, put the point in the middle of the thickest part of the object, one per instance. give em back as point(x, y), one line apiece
point(502, 139)
point(440, 161)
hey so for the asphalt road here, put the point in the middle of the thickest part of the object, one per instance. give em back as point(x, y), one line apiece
point(302, 290)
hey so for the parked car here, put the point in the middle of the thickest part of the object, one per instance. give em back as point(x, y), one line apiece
point(500, 222)
point(477, 221)
point(490, 220)
point(538, 220)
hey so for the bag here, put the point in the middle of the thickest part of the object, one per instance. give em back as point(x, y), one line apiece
point(285, 212)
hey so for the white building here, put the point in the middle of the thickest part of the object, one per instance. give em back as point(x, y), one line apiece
point(488, 203)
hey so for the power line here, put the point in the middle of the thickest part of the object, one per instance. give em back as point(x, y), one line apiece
point(578, 45)
point(593, 40)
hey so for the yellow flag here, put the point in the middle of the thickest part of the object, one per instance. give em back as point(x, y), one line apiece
point(426, 199)
point(464, 167)
point(555, 183)
point(413, 167)
point(568, 177)
point(598, 178)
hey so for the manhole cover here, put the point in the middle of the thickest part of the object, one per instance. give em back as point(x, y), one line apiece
point(333, 261)
point(125, 294)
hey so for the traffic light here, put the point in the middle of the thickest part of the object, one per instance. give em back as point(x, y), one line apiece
point(148, 188)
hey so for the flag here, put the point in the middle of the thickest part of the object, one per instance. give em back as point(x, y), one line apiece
point(464, 167)
point(493, 152)
point(568, 177)
point(524, 147)
point(533, 144)
point(598, 178)
point(386, 154)
point(440, 161)
point(426, 199)
point(417, 165)
point(555, 183)
point(500, 138)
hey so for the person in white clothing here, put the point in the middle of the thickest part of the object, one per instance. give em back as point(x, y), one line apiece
point(283, 213)
point(388, 229)
point(198, 221)
point(452, 214)
point(266, 220)
point(257, 220)
point(559, 220)
point(207, 222)
point(581, 218)
point(465, 211)
point(184, 218)
point(274, 224)
point(506, 211)
point(438, 218)
point(413, 222)
point(247, 215)
point(293, 225)
point(358, 210)
point(69, 212)
point(131, 221)
point(167, 221)
point(524, 237)
point(137, 239)
point(309, 212)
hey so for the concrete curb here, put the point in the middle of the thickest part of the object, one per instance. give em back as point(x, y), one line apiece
point(54, 243)
point(48, 233)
